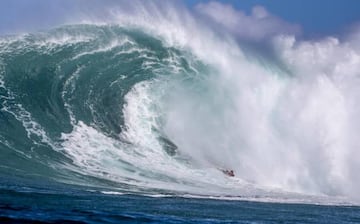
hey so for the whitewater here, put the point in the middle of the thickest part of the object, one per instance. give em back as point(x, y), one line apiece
point(156, 99)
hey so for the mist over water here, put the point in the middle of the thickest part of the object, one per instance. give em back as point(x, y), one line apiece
point(155, 98)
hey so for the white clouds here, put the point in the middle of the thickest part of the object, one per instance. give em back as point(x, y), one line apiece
point(257, 26)
point(259, 12)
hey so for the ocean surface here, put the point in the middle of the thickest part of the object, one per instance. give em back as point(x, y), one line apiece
point(66, 204)
point(135, 120)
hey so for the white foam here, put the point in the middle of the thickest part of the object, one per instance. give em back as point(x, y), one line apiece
point(291, 130)
point(108, 47)
point(68, 89)
point(112, 192)
point(52, 41)
point(31, 126)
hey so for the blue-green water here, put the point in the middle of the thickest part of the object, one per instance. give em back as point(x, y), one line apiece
point(111, 123)
point(51, 203)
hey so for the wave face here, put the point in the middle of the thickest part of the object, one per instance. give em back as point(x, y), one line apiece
point(147, 109)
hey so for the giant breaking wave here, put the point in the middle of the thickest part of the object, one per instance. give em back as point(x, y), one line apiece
point(159, 105)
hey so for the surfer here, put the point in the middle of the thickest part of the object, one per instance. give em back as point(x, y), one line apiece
point(229, 173)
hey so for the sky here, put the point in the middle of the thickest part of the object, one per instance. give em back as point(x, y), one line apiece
point(315, 17)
